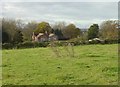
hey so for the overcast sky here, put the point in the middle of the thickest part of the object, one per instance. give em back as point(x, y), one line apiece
point(82, 14)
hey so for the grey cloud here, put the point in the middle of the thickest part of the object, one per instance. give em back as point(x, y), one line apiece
point(60, 0)
point(80, 13)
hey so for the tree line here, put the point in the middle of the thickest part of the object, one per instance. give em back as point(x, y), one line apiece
point(16, 31)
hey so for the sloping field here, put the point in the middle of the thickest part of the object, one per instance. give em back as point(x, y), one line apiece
point(92, 64)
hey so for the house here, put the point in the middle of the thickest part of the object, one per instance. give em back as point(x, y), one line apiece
point(42, 37)
point(52, 37)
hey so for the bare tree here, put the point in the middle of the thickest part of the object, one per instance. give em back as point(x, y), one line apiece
point(109, 30)
point(59, 25)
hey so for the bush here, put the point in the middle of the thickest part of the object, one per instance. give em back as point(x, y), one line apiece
point(32, 44)
point(43, 44)
point(107, 41)
point(7, 46)
point(60, 43)
point(25, 45)
point(78, 41)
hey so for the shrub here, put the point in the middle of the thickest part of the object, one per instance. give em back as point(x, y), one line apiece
point(25, 45)
point(61, 43)
point(78, 41)
point(32, 44)
point(43, 44)
point(111, 41)
point(7, 46)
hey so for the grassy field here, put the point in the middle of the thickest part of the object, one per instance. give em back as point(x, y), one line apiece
point(92, 64)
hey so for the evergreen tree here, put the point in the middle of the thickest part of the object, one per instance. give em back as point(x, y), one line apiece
point(93, 31)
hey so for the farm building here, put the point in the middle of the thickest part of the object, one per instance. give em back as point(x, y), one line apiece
point(42, 37)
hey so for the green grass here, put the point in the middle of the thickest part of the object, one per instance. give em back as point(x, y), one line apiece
point(92, 64)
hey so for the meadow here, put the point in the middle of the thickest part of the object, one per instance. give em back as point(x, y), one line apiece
point(91, 65)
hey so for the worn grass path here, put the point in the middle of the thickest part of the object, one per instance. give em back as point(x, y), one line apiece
point(92, 64)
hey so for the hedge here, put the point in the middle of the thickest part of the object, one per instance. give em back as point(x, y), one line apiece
point(7, 46)
point(24, 45)
point(32, 44)
point(57, 43)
